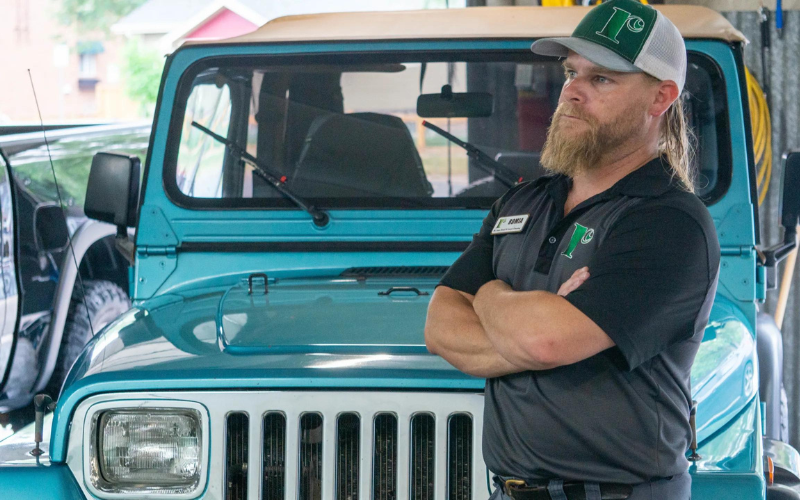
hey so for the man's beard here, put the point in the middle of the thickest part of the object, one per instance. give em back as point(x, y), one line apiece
point(570, 152)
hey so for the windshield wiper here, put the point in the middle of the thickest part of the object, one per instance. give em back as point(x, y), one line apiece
point(320, 217)
point(489, 165)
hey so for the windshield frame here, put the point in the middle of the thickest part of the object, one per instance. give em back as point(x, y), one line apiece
point(459, 54)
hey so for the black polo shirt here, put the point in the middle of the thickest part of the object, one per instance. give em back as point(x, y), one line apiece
point(653, 256)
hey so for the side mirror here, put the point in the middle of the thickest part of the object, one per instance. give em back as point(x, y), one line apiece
point(790, 191)
point(790, 210)
point(455, 105)
point(51, 233)
point(113, 191)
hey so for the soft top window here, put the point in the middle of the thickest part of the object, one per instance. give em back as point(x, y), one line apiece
point(342, 131)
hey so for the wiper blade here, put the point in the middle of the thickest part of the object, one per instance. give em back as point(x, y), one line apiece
point(491, 166)
point(320, 217)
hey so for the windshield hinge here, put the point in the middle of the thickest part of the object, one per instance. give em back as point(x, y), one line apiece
point(150, 250)
point(737, 251)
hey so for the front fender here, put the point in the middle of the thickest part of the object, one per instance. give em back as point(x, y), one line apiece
point(84, 237)
point(39, 482)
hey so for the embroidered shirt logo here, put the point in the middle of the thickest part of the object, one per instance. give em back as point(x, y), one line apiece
point(618, 20)
point(581, 234)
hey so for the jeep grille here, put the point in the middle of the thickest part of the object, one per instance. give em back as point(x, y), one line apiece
point(347, 468)
point(329, 445)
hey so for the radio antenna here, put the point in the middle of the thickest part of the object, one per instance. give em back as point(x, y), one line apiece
point(61, 204)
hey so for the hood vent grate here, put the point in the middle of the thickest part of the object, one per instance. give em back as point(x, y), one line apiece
point(371, 272)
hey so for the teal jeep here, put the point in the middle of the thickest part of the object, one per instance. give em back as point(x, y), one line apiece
point(306, 187)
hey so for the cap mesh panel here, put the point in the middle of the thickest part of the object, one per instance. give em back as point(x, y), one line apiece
point(664, 53)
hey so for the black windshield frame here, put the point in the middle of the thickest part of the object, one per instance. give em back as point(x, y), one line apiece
point(187, 81)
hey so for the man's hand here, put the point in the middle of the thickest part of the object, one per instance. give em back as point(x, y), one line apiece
point(491, 288)
point(574, 281)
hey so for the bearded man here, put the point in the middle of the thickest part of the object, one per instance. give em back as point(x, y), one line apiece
point(584, 296)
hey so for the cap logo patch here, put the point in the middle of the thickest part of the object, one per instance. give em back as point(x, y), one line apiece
point(618, 20)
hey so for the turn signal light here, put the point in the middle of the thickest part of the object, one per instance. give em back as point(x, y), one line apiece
point(769, 470)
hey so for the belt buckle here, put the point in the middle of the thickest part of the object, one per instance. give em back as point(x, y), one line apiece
point(508, 483)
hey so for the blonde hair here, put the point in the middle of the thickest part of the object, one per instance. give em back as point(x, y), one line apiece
point(676, 144)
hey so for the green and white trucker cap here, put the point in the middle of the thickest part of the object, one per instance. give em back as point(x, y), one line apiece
point(626, 36)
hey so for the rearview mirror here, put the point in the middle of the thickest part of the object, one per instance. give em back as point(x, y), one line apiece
point(113, 190)
point(455, 105)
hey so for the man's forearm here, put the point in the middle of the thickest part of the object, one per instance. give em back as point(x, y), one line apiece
point(501, 333)
point(537, 330)
point(454, 332)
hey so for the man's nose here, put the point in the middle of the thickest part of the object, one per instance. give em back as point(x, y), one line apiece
point(573, 92)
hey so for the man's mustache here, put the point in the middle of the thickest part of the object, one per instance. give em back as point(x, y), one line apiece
point(566, 110)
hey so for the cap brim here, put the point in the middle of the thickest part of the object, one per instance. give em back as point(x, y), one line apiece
point(595, 53)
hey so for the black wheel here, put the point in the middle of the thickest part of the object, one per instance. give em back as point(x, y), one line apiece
point(105, 301)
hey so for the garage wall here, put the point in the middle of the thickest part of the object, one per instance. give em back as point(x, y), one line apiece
point(785, 110)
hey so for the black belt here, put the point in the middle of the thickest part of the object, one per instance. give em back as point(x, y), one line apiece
point(574, 490)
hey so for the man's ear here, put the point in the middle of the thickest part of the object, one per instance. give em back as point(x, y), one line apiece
point(666, 94)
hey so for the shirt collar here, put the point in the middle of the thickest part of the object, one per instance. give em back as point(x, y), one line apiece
point(654, 178)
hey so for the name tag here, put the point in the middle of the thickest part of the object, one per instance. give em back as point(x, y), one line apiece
point(510, 224)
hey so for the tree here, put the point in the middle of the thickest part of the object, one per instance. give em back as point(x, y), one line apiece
point(94, 15)
point(142, 69)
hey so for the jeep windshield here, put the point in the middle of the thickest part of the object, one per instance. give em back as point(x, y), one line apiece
point(342, 130)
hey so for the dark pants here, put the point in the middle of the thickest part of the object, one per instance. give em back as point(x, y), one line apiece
point(676, 488)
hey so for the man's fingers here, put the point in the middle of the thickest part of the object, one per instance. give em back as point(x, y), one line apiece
point(576, 280)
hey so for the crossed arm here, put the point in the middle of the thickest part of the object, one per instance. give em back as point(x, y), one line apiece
point(499, 331)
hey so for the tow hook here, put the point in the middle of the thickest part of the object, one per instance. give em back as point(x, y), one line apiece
point(42, 403)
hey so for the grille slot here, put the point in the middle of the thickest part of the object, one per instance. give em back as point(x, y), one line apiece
point(384, 470)
point(311, 456)
point(459, 457)
point(348, 433)
point(274, 466)
point(423, 454)
point(236, 443)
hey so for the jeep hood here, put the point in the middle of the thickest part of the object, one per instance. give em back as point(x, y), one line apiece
point(338, 333)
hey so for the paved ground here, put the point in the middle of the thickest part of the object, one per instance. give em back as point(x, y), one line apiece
point(15, 420)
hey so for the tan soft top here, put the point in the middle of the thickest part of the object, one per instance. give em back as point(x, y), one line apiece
point(467, 23)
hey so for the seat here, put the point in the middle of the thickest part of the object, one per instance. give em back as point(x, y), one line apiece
point(524, 164)
point(359, 155)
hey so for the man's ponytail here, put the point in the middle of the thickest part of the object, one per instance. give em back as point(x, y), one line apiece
point(676, 144)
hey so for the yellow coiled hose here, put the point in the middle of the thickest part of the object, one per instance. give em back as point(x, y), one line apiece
point(762, 135)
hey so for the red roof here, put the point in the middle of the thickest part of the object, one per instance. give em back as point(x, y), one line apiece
point(224, 24)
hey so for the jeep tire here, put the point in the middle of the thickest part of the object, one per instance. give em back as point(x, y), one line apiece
point(784, 415)
point(105, 301)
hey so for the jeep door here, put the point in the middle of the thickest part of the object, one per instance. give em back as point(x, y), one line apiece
point(9, 296)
